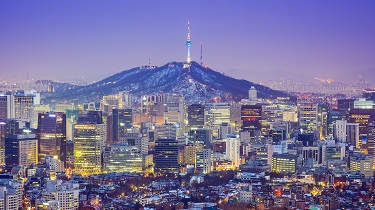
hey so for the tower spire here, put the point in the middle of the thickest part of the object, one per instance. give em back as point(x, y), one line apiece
point(188, 43)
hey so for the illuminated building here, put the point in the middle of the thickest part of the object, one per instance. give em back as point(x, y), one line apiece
point(36, 110)
point(188, 44)
point(362, 164)
point(166, 131)
point(225, 129)
point(346, 132)
point(3, 128)
point(64, 192)
point(196, 115)
point(89, 140)
point(362, 103)
point(166, 156)
point(64, 107)
point(53, 163)
point(371, 140)
point(307, 115)
point(369, 94)
point(363, 117)
point(21, 150)
point(232, 150)
point(52, 135)
point(278, 148)
point(5, 103)
point(333, 116)
point(216, 114)
point(23, 104)
point(284, 163)
point(137, 140)
point(331, 151)
point(122, 120)
point(251, 116)
point(120, 157)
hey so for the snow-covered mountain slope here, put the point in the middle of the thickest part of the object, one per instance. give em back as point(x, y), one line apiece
point(195, 82)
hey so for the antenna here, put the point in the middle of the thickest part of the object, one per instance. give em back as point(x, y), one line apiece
point(201, 54)
point(149, 60)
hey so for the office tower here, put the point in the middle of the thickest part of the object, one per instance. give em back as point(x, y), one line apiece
point(120, 157)
point(20, 150)
point(321, 119)
point(333, 116)
point(307, 115)
point(251, 116)
point(331, 151)
point(225, 129)
point(310, 156)
point(371, 140)
point(122, 120)
point(201, 136)
point(203, 161)
point(11, 194)
point(5, 104)
point(166, 131)
point(284, 163)
point(23, 104)
point(190, 153)
point(166, 156)
point(196, 115)
point(64, 192)
point(346, 132)
point(3, 134)
point(232, 150)
point(137, 140)
point(89, 141)
point(52, 135)
point(36, 110)
point(364, 117)
point(308, 139)
point(216, 114)
point(253, 94)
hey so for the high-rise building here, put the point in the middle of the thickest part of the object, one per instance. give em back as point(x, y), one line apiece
point(371, 140)
point(363, 165)
point(166, 131)
point(253, 94)
point(196, 115)
point(5, 104)
point(120, 157)
point(251, 116)
point(201, 136)
point(20, 150)
point(363, 117)
point(122, 120)
point(166, 156)
point(362, 103)
point(307, 115)
point(369, 94)
point(3, 134)
point(89, 141)
point(333, 116)
point(216, 114)
point(232, 150)
point(346, 132)
point(52, 135)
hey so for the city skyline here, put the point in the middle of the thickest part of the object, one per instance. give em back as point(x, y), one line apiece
point(81, 39)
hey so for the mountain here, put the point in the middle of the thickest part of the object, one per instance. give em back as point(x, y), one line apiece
point(195, 82)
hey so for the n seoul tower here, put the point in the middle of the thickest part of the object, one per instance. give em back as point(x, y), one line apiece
point(188, 43)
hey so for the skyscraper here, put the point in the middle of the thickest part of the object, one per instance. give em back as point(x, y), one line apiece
point(89, 141)
point(307, 114)
point(196, 115)
point(251, 116)
point(253, 94)
point(21, 150)
point(52, 135)
point(122, 120)
point(166, 156)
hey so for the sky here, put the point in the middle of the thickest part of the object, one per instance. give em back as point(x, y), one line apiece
point(47, 39)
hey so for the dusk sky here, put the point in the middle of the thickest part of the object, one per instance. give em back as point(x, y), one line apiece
point(69, 39)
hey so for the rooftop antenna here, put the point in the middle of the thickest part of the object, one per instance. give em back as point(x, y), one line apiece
point(149, 60)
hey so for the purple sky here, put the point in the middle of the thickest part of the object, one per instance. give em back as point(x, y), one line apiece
point(68, 39)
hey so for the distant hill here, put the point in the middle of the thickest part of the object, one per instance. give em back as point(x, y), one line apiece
point(196, 83)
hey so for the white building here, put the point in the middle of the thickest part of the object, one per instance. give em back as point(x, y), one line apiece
point(232, 150)
point(11, 194)
point(64, 192)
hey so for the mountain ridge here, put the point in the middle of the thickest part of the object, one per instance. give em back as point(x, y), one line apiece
point(195, 82)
